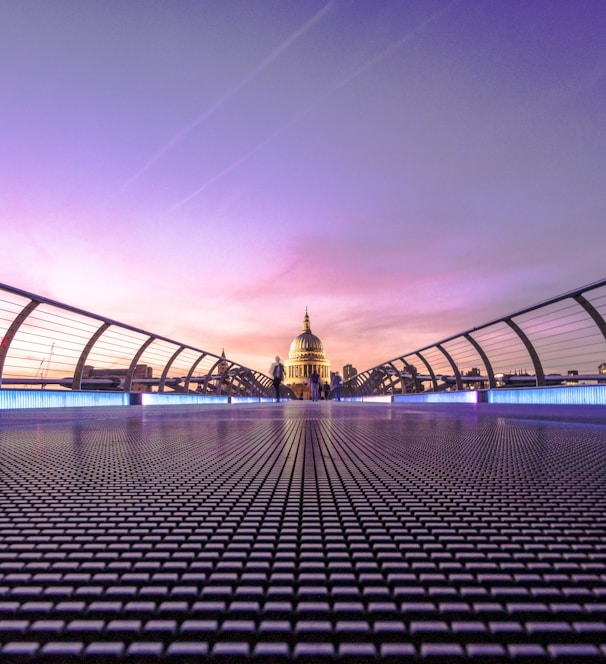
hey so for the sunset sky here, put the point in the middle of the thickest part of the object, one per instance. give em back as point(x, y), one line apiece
point(206, 169)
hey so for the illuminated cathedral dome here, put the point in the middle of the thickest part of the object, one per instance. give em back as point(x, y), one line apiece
point(306, 355)
point(306, 343)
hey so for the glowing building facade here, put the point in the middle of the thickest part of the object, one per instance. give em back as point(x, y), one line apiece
point(306, 354)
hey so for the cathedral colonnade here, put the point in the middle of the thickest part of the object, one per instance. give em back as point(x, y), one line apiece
point(296, 373)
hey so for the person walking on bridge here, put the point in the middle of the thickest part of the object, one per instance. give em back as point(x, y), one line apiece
point(276, 371)
point(335, 383)
point(314, 385)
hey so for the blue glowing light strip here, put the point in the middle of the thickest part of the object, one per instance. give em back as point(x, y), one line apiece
point(467, 396)
point(155, 399)
point(60, 399)
point(384, 398)
point(577, 395)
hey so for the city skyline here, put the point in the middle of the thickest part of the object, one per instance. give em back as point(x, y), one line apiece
point(208, 170)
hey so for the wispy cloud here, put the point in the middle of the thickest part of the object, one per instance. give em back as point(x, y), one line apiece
point(231, 92)
point(302, 113)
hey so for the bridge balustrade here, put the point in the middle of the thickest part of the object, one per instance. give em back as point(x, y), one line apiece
point(47, 344)
point(559, 341)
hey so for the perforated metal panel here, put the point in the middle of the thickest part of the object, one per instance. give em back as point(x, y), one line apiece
point(305, 532)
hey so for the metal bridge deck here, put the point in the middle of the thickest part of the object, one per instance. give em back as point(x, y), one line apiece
point(303, 531)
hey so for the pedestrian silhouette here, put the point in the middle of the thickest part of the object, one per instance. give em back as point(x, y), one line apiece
point(314, 385)
point(335, 383)
point(276, 371)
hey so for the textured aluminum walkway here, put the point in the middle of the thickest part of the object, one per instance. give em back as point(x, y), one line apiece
point(304, 532)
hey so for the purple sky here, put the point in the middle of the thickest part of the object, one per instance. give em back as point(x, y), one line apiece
point(206, 169)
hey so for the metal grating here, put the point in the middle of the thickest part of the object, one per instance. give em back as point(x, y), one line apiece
point(302, 532)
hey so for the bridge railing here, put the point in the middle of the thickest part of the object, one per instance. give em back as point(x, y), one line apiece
point(559, 341)
point(44, 343)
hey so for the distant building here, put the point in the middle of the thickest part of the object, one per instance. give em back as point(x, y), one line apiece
point(306, 354)
point(222, 384)
point(474, 385)
point(349, 371)
point(142, 371)
point(223, 364)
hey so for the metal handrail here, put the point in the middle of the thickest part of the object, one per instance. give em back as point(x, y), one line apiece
point(48, 343)
point(562, 340)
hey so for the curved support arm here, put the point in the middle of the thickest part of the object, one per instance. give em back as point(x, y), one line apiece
point(534, 356)
point(128, 381)
point(250, 382)
point(167, 368)
point(194, 366)
point(492, 381)
point(434, 380)
point(12, 330)
point(413, 371)
point(77, 382)
point(455, 369)
point(375, 379)
point(390, 378)
point(209, 374)
point(593, 312)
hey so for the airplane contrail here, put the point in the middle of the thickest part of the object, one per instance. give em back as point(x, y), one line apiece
point(247, 155)
point(394, 46)
point(310, 107)
point(211, 110)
